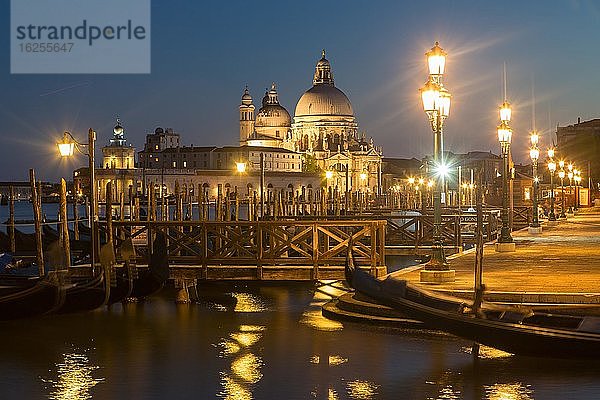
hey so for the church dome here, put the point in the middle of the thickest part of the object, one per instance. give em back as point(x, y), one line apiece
point(272, 114)
point(118, 129)
point(246, 97)
point(323, 98)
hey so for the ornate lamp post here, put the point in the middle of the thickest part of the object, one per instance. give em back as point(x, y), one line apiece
point(436, 104)
point(505, 241)
point(561, 175)
point(577, 179)
point(65, 148)
point(534, 154)
point(570, 175)
point(552, 169)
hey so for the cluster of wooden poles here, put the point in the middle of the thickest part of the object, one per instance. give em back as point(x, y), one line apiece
point(228, 204)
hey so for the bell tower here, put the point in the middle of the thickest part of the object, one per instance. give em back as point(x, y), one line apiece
point(246, 117)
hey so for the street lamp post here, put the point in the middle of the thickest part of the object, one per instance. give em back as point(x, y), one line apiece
point(552, 169)
point(534, 154)
point(570, 175)
point(561, 175)
point(66, 147)
point(505, 242)
point(577, 179)
point(436, 104)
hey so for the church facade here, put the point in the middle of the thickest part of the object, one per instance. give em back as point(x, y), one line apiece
point(324, 130)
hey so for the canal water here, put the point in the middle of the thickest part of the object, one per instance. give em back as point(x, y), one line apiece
point(272, 344)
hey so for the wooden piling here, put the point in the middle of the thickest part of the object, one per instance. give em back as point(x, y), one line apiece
point(37, 220)
point(132, 211)
point(227, 205)
point(237, 205)
point(122, 207)
point(64, 224)
point(108, 213)
point(11, 218)
point(178, 210)
point(75, 217)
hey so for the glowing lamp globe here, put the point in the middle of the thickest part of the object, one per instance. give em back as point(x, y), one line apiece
point(240, 167)
point(534, 138)
point(66, 146)
point(534, 153)
point(504, 133)
point(505, 112)
point(430, 95)
point(436, 59)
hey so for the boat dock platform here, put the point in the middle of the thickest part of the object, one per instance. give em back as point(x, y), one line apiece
point(560, 265)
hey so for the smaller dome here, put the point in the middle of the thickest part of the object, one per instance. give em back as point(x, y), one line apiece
point(118, 130)
point(246, 98)
point(159, 130)
point(273, 115)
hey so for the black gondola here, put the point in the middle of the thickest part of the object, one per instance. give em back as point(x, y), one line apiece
point(83, 293)
point(24, 296)
point(24, 241)
point(517, 330)
point(52, 233)
point(151, 280)
point(122, 283)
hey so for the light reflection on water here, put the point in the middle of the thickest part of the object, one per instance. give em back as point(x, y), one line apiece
point(75, 378)
point(249, 303)
point(486, 352)
point(362, 390)
point(508, 391)
point(245, 366)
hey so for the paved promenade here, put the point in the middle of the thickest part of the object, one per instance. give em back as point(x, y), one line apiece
point(560, 265)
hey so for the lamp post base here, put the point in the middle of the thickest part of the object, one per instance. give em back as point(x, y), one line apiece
point(505, 247)
point(436, 276)
point(534, 230)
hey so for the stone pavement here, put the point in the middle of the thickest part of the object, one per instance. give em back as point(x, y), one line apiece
point(561, 265)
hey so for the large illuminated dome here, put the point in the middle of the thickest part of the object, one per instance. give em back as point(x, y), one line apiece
point(324, 118)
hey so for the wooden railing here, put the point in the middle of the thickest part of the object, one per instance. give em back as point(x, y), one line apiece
point(259, 244)
point(522, 217)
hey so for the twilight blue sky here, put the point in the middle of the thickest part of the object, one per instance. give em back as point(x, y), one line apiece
point(203, 53)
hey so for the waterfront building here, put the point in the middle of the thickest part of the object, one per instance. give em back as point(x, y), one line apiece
point(580, 143)
point(117, 154)
point(117, 168)
point(161, 139)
